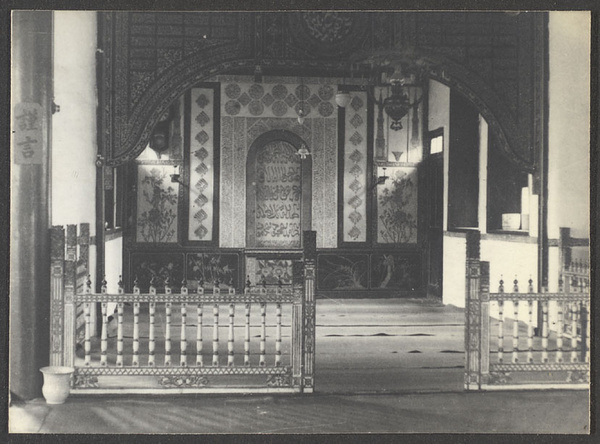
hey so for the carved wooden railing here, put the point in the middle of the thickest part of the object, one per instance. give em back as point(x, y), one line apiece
point(177, 342)
point(504, 353)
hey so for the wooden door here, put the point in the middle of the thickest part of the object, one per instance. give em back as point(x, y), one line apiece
point(432, 186)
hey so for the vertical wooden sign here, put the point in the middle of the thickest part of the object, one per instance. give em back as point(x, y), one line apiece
point(27, 133)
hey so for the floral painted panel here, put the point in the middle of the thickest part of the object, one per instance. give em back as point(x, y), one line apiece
point(278, 196)
point(342, 272)
point(397, 206)
point(355, 170)
point(272, 270)
point(209, 267)
point(201, 202)
point(397, 271)
point(157, 199)
point(160, 266)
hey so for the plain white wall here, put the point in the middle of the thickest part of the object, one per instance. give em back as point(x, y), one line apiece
point(74, 127)
point(569, 122)
point(73, 149)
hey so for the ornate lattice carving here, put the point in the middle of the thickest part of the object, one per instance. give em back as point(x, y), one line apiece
point(183, 381)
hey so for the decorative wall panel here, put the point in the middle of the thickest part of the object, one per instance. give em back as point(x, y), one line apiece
point(201, 165)
point(355, 186)
point(275, 99)
point(343, 271)
point(237, 135)
point(395, 271)
point(397, 206)
point(157, 199)
point(160, 266)
point(272, 270)
point(278, 196)
point(210, 267)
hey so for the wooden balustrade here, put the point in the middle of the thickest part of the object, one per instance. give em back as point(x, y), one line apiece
point(559, 357)
point(137, 312)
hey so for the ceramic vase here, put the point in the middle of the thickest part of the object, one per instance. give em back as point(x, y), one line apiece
point(57, 383)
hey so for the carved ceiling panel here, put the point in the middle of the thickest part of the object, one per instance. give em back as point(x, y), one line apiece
point(150, 58)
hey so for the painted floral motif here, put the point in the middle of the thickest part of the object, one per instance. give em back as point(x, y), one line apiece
point(157, 223)
point(338, 272)
point(397, 210)
point(208, 268)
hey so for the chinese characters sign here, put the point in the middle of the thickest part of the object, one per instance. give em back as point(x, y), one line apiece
point(27, 133)
point(278, 196)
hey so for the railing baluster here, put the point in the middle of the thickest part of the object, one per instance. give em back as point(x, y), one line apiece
point(168, 308)
point(559, 332)
point(183, 339)
point(120, 334)
point(574, 332)
point(530, 333)
point(151, 339)
point(247, 336)
point(104, 336)
point(515, 345)
point(501, 323)
point(136, 335)
point(168, 334)
point(230, 339)
point(263, 332)
point(545, 331)
point(215, 360)
point(87, 341)
point(278, 337)
point(199, 360)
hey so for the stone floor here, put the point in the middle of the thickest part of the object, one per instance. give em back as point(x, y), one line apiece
point(382, 366)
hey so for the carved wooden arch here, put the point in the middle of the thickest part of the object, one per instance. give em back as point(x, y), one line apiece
point(306, 180)
point(175, 81)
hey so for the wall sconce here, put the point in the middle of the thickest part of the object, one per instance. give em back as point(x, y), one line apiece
point(342, 98)
point(303, 152)
point(380, 180)
point(301, 116)
point(175, 177)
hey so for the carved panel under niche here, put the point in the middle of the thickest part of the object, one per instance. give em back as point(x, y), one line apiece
point(157, 198)
point(202, 172)
point(272, 270)
point(397, 206)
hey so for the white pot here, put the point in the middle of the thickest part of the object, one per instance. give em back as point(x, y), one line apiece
point(511, 221)
point(57, 383)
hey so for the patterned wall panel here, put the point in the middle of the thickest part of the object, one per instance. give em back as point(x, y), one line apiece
point(397, 206)
point(276, 99)
point(157, 199)
point(201, 163)
point(354, 184)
